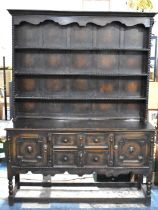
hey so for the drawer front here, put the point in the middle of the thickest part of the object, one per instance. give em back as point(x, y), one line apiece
point(131, 149)
point(64, 140)
point(95, 140)
point(65, 158)
point(96, 158)
point(30, 150)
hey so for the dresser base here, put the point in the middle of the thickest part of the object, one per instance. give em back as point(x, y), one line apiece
point(111, 153)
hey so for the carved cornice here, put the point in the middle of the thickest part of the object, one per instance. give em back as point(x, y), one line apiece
point(82, 20)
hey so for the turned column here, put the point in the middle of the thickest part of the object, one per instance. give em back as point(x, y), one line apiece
point(10, 187)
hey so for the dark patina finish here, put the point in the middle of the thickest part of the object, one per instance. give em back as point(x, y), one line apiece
point(80, 86)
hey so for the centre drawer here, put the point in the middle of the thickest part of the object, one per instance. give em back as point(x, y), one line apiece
point(64, 140)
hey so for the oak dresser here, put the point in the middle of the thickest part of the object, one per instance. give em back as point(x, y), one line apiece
point(80, 97)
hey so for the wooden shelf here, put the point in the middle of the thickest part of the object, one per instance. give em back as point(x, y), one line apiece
point(73, 73)
point(80, 49)
point(68, 97)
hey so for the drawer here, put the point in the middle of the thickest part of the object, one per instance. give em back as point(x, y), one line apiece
point(64, 140)
point(95, 140)
point(65, 158)
point(96, 158)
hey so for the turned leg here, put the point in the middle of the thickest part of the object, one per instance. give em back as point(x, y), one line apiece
point(148, 192)
point(10, 186)
point(17, 180)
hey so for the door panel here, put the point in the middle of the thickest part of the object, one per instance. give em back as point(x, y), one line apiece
point(30, 150)
point(131, 149)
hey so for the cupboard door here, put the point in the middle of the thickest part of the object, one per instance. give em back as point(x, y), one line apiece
point(131, 149)
point(29, 150)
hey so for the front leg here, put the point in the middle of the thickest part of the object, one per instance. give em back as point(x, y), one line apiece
point(148, 192)
point(10, 187)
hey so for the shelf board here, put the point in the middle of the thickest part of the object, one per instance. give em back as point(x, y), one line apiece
point(65, 97)
point(79, 117)
point(81, 73)
point(80, 49)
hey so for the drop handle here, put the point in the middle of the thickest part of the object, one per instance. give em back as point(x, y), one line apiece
point(29, 149)
point(131, 149)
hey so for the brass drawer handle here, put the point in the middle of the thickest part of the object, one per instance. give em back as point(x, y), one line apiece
point(29, 149)
point(96, 158)
point(96, 140)
point(65, 158)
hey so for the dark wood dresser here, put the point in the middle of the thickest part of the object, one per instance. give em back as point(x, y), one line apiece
point(80, 95)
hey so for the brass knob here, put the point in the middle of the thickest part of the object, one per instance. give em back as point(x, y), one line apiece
point(96, 140)
point(29, 149)
point(65, 158)
point(65, 140)
point(121, 157)
point(96, 158)
point(140, 157)
point(131, 149)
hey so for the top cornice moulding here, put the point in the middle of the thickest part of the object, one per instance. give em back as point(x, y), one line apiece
point(68, 17)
